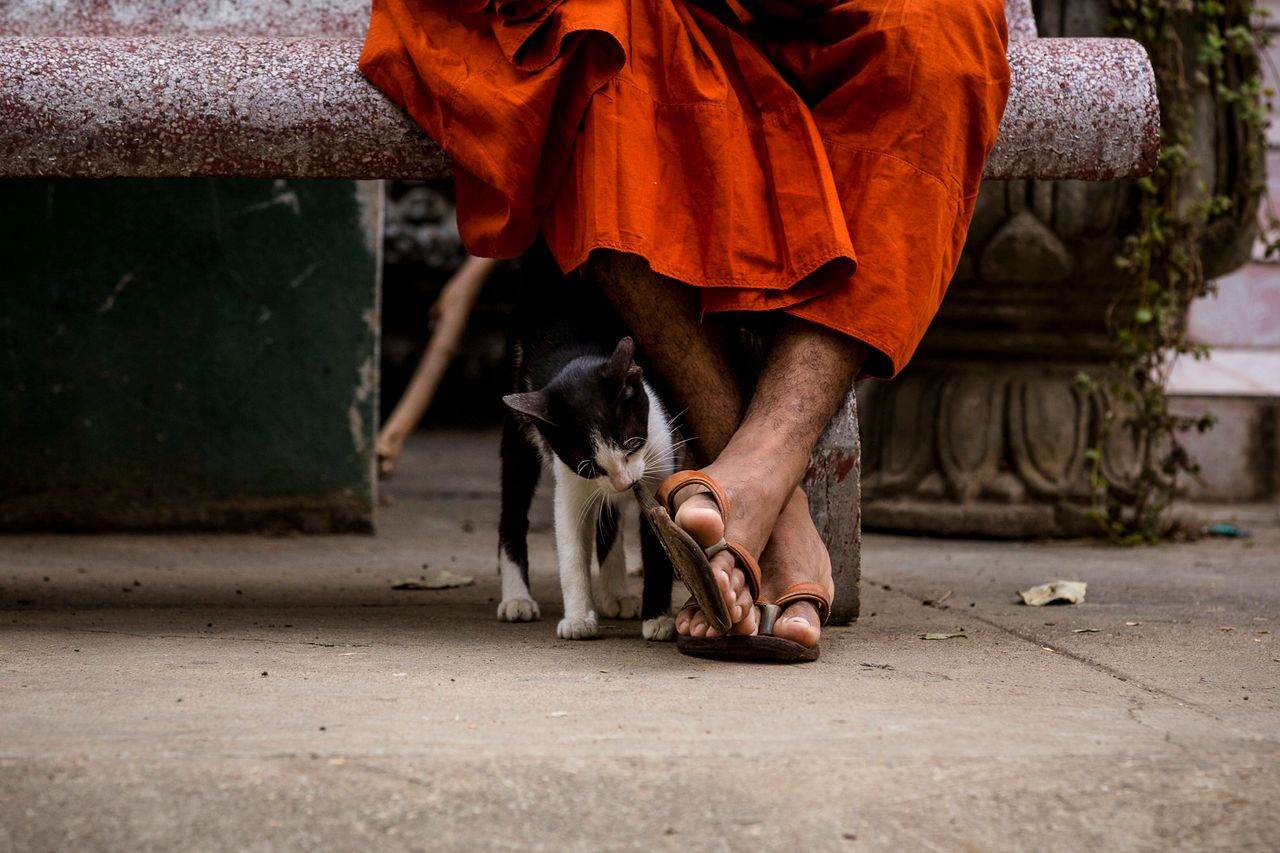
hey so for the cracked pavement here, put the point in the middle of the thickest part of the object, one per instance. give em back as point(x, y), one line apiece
point(274, 693)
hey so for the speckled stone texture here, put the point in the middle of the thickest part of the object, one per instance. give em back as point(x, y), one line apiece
point(150, 107)
point(239, 98)
point(1078, 108)
point(1022, 21)
point(233, 18)
point(161, 107)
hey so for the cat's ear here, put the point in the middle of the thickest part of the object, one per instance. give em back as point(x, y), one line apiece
point(529, 406)
point(620, 363)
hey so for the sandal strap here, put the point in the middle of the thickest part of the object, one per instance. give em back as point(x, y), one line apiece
point(678, 481)
point(747, 563)
point(807, 591)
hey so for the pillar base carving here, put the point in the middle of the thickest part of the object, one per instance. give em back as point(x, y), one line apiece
point(985, 449)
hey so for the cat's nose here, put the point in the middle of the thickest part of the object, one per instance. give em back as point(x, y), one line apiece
point(621, 482)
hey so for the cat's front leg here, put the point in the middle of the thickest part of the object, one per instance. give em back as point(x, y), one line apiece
point(617, 601)
point(520, 470)
point(574, 538)
point(659, 579)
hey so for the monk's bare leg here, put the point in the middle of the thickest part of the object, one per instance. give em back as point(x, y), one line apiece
point(807, 372)
point(691, 358)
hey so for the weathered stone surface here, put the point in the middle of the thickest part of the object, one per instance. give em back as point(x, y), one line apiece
point(228, 18)
point(167, 107)
point(985, 448)
point(832, 484)
point(1078, 108)
point(1025, 251)
point(1022, 21)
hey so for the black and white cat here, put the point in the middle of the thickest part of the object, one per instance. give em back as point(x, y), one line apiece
point(581, 406)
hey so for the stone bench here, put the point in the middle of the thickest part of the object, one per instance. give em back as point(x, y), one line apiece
point(143, 97)
point(258, 89)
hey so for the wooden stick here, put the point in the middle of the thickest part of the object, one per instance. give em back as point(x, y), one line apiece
point(452, 308)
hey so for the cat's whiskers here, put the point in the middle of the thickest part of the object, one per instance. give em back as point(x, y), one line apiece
point(658, 463)
point(655, 462)
point(594, 504)
point(677, 446)
point(677, 428)
point(590, 507)
point(670, 453)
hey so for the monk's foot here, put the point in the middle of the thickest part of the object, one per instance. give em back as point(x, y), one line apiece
point(754, 506)
point(796, 553)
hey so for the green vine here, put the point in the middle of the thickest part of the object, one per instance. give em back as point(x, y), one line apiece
point(1197, 49)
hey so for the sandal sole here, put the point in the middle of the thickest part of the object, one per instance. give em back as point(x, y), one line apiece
point(688, 560)
point(758, 649)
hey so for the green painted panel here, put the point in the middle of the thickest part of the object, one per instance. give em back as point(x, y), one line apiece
point(188, 353)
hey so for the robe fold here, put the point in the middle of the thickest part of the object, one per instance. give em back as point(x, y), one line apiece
point(818, 157)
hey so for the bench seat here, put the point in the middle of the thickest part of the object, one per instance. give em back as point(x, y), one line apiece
point(298, 108)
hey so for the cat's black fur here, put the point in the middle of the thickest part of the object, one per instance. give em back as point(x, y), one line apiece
point(573, 374)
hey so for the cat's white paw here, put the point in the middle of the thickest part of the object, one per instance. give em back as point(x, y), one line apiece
point(620, 607)
point(660, 629)
point(518, 610)
point(578, 629)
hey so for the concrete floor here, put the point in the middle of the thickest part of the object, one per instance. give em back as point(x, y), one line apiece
point(252, 693)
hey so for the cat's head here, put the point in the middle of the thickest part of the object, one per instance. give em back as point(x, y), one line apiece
point(594, 416)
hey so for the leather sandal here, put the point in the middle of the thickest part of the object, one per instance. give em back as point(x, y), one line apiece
point(763, 646)
point(692, 562)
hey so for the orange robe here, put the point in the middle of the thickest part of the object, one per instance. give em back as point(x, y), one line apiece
point(819, 157)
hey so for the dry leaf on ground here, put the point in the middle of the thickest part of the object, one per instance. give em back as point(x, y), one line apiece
point(942, 636)
point(1067, 592)
point(1085, 630)
point(443, 579)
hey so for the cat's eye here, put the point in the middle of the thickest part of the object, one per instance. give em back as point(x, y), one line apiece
point(633, 445)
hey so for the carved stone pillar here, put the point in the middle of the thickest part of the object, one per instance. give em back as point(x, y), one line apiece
point(985, 433)
point(984, 447)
